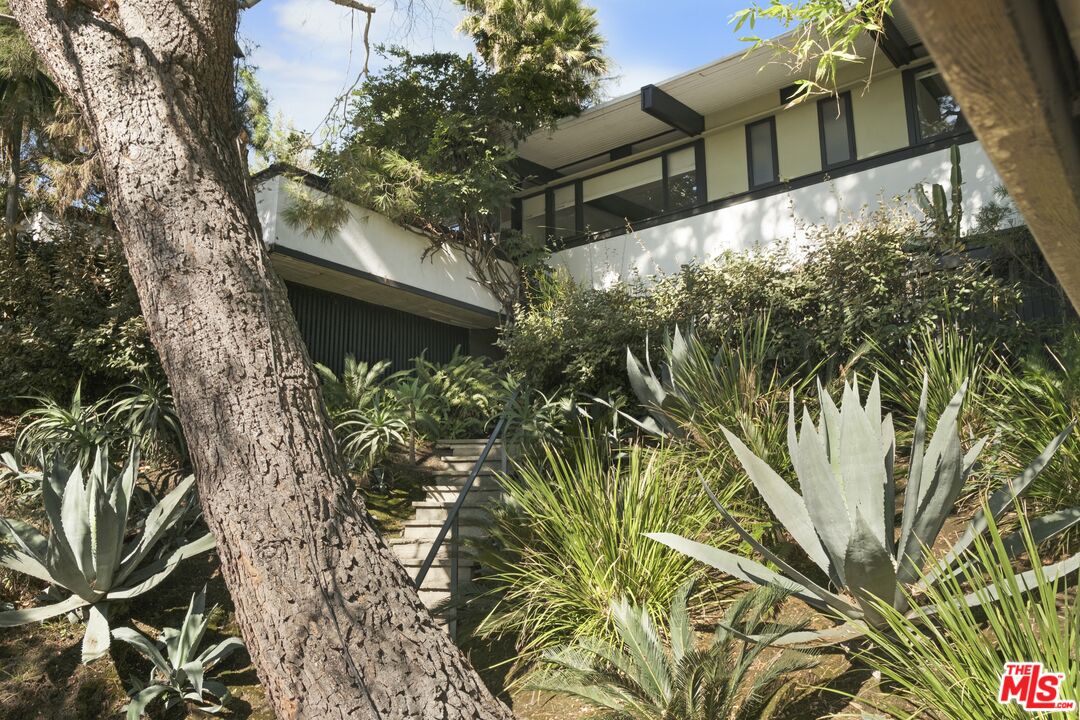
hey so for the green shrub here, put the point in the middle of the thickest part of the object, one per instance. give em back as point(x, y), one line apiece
point(70, 311)
point(870, 278)
point(570, 540)
point(949, 663)
point(72, 432)
point(642, 676)
point(146, 413)
point(1028, 401)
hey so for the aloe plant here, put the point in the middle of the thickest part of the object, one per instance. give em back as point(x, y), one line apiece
point(180, 672)
point(86, 552)
point(845, 519)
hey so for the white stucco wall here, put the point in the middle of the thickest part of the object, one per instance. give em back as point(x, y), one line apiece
point(663, 249)
point(371, 243)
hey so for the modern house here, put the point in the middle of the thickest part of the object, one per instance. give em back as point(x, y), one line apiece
point(715, 160)
point(373, 290)
point(711, 160)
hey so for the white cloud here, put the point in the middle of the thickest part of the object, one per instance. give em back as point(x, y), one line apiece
point(310, 51)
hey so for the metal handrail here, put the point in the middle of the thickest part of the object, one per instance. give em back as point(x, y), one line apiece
point(452, 517)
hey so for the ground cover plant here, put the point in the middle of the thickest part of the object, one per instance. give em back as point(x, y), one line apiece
point(570, 540)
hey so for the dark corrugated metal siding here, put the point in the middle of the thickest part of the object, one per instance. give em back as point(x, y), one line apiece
point(334, 326)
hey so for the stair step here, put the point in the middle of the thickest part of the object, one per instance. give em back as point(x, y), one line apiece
point(438, 576)
point(438, 512)
point(409, 551)
point(427, 530)
point(477, 495)
point(482, 482)
point(484, 472)
point(460, 464)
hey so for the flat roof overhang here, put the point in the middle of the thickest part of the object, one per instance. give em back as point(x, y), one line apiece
point(312, 271)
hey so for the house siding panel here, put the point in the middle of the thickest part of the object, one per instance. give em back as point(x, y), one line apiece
point(334, 326)
point(725, 163)
point(797, 140)
point(880, 116)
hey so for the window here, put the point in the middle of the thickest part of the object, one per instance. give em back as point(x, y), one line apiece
point(934, 111)
point(837, 130)
point(761, 157)
point(533, 223)
point(626, 195)
point(642, 190)
point(565, 216)
point(682, 183)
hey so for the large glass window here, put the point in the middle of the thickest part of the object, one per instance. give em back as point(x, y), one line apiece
point(837, 130)
point(610, 201)
point(533, 223)
point(565, 216)
point(623, 196)
point(761, 152)
point(936, 111)
point(682, 178)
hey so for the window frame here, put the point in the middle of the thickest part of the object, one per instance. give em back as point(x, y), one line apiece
point(849, 116)
point(911, 108)
point(771, 121)
point(698, 144)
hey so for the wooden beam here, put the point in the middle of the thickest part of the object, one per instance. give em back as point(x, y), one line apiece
point(667, 109)
point(1003, 64)
point(540, 174)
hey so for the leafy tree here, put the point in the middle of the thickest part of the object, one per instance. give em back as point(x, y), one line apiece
point(434, 135)
point(823, 38)
point(332, 622)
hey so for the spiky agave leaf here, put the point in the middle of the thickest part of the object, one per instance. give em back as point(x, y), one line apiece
point(85, 552)
point(180, 672)
point(844, 520)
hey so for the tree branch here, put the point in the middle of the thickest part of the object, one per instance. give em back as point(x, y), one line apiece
point(7, 18)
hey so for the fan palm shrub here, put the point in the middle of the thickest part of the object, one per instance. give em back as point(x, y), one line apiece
point(356, 388)
point(845, 519)
point(74, 431)
point(179, 674)
point(641, 675)
point(948, 662)
point(570, 539)
point(86, 553)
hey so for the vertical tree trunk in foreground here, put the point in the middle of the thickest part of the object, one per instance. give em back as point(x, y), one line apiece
point(330, 619)
point(13, 153)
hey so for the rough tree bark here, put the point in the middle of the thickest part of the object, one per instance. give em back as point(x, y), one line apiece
point(330, 619)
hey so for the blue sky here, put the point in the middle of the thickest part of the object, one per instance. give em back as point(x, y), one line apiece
point(309, 51)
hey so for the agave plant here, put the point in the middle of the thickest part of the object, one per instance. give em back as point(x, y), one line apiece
point(641, 677)
point(845, 518)
point(86, 552)
point(180, 673)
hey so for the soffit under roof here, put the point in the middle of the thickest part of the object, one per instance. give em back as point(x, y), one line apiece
point(721, 84)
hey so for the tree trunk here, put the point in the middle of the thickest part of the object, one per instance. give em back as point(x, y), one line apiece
point(11, 194)
point(331, 620)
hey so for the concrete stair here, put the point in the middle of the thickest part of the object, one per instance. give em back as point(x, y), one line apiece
point(456, 461)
